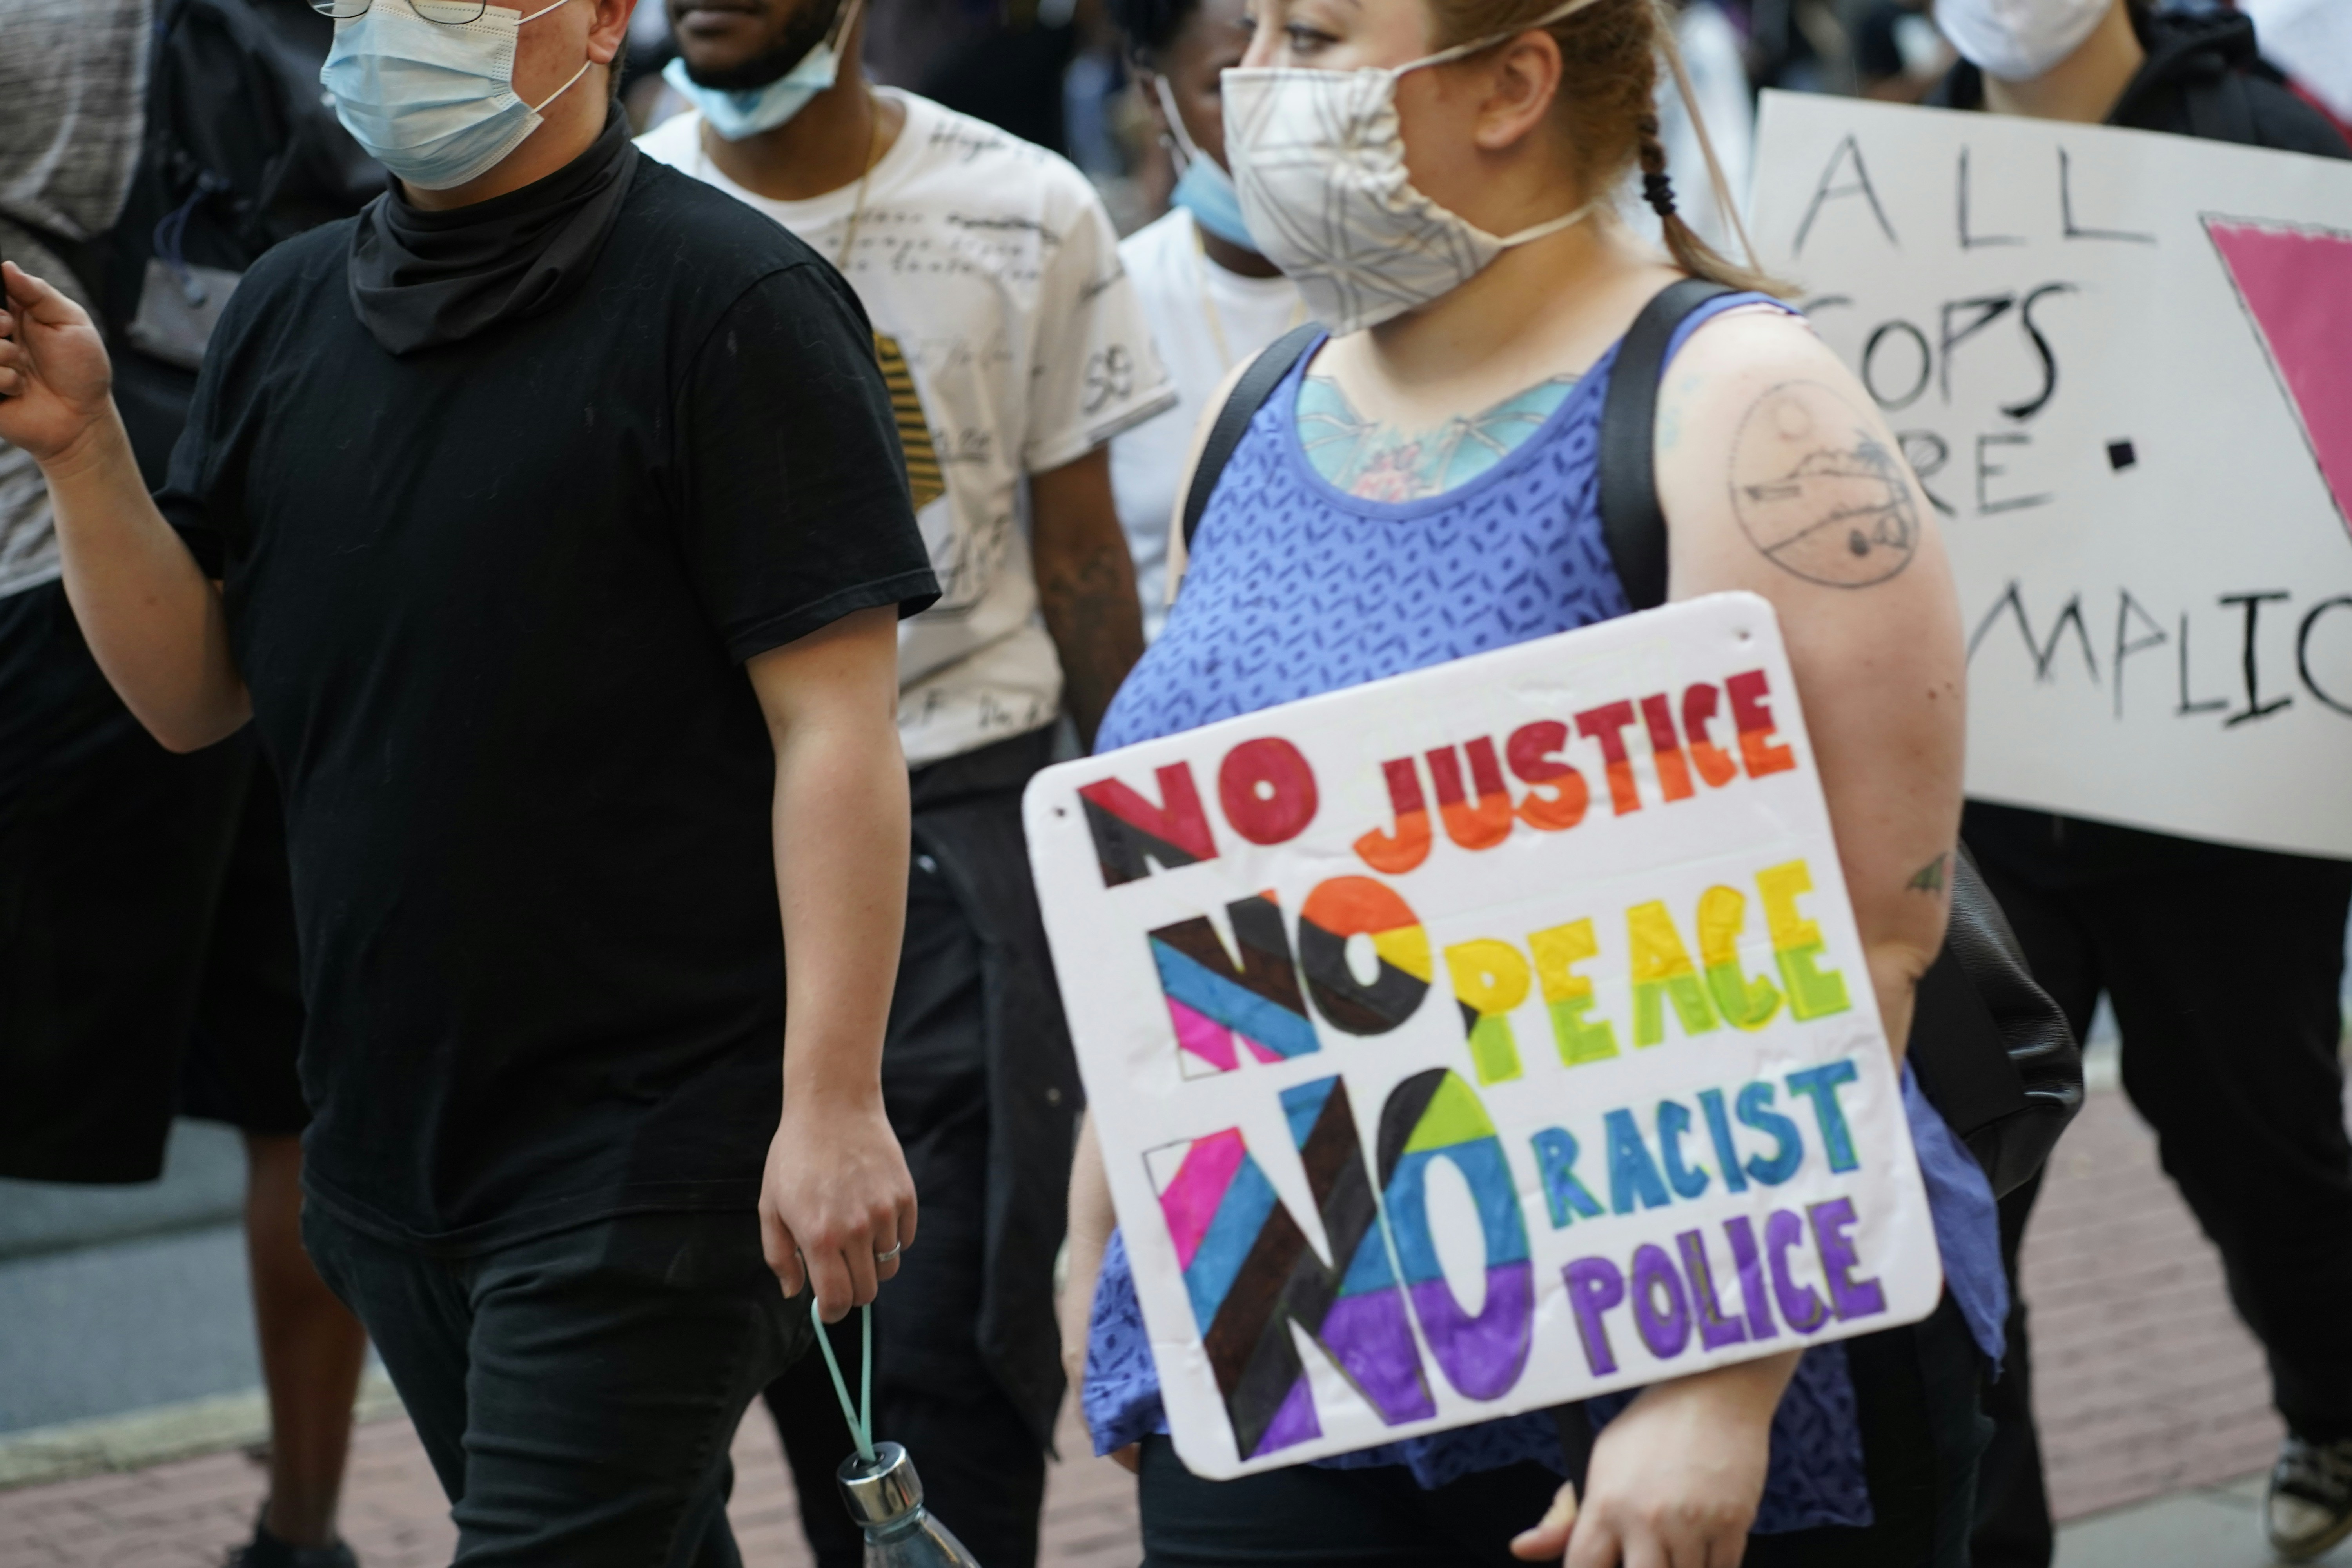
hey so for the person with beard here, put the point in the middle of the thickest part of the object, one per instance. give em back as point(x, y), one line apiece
point(1015, 351)
point(2245, 1086)
point(547, 521)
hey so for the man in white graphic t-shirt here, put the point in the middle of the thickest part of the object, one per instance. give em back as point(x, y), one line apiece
point(1015, 350)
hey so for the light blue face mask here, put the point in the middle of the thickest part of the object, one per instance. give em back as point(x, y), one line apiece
point(736, 115)
point(1202, 188)
point(433, 101)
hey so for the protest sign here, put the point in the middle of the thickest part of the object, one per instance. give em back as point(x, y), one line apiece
point(1481, 1038)
point(2121, 364)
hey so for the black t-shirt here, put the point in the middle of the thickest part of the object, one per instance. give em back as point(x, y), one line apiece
point(492, 601)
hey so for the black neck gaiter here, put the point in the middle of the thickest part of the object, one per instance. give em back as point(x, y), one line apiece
point(422, 278)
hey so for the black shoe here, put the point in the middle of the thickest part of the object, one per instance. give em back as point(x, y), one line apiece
point(2309, 1509)
point(266, 1551)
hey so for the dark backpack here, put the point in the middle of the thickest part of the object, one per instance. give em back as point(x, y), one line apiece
point(1994, 1054)
point(241, 151)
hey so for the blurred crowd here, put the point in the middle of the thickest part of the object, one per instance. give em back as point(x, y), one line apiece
point(1061, 75)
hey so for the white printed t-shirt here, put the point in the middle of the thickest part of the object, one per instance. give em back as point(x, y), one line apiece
point(1012, 344)
point(1206, 320)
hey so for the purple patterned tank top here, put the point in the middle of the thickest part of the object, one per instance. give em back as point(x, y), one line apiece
point(1297, 587)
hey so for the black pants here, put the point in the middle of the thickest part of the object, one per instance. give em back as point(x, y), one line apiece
point(1915, 1391)
point(577, 1394)
point(983, 1473)
point(2224, 967)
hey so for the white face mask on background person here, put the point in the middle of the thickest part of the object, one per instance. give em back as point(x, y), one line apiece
point(433, 101)
point(2018, 40)
point(1319, 158)
point(736, 115)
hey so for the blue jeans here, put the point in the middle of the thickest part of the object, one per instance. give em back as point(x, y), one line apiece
point(577, 1393)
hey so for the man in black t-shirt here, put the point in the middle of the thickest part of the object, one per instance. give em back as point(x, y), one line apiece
point(549, 521)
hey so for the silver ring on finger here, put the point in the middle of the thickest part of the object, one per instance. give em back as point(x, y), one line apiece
point(891, 1256)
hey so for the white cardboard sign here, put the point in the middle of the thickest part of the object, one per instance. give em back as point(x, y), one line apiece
point(1481, 1038)
point(2121, 364)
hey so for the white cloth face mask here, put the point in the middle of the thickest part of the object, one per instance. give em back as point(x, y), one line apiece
point(2018, 40)
point(433, 101)
point(1318, 157)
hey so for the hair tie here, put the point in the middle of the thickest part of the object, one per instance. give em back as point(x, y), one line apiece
point(1660, 190)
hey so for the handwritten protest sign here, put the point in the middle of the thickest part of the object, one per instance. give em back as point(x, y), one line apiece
point(2122, 365)
point(1481, 1038)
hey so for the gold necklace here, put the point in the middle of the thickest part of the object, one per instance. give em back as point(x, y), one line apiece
point(1201, 265)
point(857, 205)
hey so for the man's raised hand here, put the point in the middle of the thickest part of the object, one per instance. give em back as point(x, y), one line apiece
point(54, 375)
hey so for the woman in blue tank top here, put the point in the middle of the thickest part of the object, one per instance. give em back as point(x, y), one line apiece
point(1422, 487)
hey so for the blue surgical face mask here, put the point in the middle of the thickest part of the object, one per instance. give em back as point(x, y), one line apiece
point(434, 102)
point(1202, 188)
point(736, 115)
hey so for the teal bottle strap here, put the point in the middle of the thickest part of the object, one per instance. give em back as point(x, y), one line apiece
point(861, 1416)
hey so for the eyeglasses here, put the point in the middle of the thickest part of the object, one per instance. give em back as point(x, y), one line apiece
point(449, 12)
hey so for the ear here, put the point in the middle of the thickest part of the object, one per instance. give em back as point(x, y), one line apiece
point(608, 34)
point(1147, 88)
point(1524, 79)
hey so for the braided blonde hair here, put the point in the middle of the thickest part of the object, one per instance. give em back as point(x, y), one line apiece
point(1606, 108)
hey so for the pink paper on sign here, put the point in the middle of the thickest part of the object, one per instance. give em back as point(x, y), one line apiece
point(2296, 285)
point(1189, 1202)
point(1202, 1036)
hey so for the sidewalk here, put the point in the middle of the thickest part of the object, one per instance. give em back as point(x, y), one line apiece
point(2148, 1388)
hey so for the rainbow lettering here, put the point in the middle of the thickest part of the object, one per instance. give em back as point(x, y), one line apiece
point(1569, 996)
point(1813, 992)
point(1435, 1115)
point(1662, 972)
point(1211, 998)
point(1489, 978)
point(1358, 906)
point(1128, 828)
point(1745, 1002)
point(1250, 1275)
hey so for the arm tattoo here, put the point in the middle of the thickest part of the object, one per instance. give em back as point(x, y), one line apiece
point(1929, 879)
point(1090, 610)
point(1817, 494)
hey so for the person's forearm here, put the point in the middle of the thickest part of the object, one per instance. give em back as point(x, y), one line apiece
point(1895, 968)
point(841, 836)
point(1752, 1387)
point(1091, 1222)
point(152, 622)
point(1097, 628)
point(1086, 586)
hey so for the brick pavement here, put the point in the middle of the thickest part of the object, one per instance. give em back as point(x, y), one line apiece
point(2146, 1382)
point(2148, 1385)
point(188, 1513)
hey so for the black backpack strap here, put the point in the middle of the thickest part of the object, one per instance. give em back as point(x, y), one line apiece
point(1249, 395)
point(1631, 522)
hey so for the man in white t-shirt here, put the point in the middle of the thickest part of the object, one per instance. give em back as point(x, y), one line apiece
point(1014, 351)
point(1212, 301)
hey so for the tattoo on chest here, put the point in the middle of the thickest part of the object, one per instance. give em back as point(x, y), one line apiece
point(1381, 462)
point(1817, 493)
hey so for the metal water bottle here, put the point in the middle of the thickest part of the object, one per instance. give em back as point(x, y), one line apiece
point(886, 1498)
